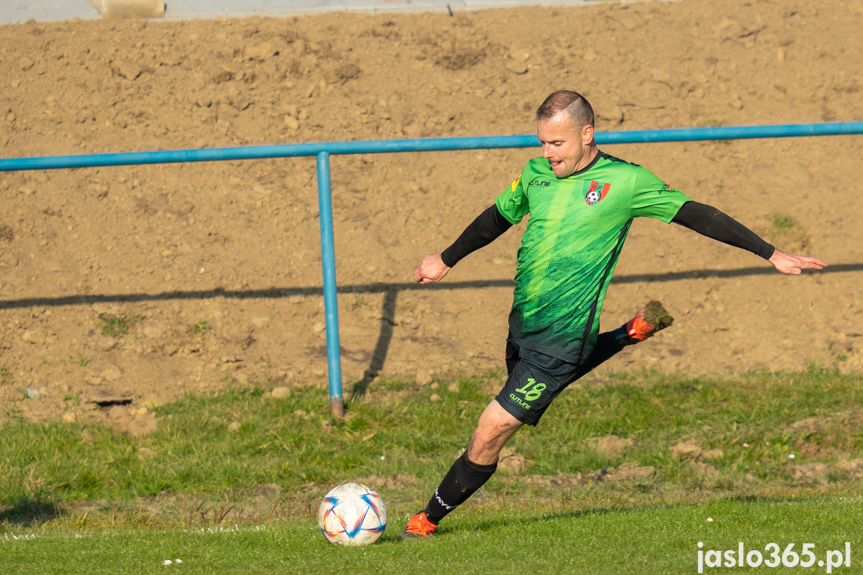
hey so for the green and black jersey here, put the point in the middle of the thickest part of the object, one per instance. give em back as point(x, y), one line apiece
point(573, 239)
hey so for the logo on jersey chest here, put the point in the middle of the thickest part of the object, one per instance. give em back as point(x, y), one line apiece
point(595, 192)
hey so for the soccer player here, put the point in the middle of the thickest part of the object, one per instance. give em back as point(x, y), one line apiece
point(581, 203)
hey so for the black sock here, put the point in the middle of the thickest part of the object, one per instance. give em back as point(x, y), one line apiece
point(461, 481)
point(621, 336)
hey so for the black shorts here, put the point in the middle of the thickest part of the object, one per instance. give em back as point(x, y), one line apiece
point(535, 379)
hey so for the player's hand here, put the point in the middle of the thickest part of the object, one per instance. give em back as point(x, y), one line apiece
point(793, 264)
point(431, 270)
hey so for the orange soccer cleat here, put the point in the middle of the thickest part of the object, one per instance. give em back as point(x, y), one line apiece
point(652, 318)
point(418, 526)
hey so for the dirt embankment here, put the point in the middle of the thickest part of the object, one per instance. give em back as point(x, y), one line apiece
point(216, 266)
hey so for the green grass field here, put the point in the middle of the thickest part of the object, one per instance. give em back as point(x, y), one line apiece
point(232, 482)
point(654, 540)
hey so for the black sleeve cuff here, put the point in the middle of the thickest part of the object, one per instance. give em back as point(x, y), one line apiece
point(447, 258)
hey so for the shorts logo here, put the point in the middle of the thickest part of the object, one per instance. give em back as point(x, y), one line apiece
point(595, 192)
point(531, 392)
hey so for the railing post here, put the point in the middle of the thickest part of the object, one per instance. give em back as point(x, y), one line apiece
point(331, 304)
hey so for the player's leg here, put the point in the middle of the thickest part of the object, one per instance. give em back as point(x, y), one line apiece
point(534, 381)
point(650, 319)
point(469, 472)
point(495, 427)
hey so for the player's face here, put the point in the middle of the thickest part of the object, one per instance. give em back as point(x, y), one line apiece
point(565, 145)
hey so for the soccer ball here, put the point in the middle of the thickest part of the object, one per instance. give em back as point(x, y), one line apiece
point(352, 514)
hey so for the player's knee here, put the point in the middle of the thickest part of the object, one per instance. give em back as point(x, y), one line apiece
point(491, 433)
point(484, 452)
point(487, 443)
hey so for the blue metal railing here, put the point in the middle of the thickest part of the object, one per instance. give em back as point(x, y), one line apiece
point(323, 151)
point(419, 145)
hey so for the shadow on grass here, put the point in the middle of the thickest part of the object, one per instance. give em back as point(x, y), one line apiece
point(498, 522)
point(28, 512)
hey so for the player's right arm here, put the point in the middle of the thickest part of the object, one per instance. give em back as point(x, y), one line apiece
point(509, 208)
point(486, 228)
point(431, 270)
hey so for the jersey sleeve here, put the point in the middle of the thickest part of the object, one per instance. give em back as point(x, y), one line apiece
point(512, 203)
point(653, 198)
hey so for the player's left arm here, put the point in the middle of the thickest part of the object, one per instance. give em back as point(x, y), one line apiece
point(710, 222)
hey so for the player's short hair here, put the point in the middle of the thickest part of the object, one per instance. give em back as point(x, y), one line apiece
point(573, 103)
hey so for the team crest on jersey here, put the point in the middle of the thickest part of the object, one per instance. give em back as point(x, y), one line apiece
point(595, 192)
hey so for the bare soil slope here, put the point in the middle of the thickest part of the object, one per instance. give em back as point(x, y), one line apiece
point(218, 265)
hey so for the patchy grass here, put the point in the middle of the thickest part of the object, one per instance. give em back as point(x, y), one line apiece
point(708, 122)
point(116, 325)
point(199, 327)
point(786, 231)
point(6, 376)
